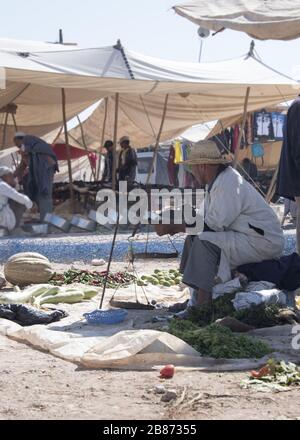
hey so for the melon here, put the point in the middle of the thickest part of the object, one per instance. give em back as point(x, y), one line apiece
point(28, 268)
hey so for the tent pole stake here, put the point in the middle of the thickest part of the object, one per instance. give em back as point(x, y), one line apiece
point(63, 94)
point(237, 151)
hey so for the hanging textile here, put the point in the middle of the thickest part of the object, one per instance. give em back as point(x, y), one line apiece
point(178, 152)
point(278, 121)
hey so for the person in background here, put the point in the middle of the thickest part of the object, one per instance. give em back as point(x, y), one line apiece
point(127, 161)
point(42, 164)
point(249, 170)
point(107, 175)
point(288, 181)
point(12, 203)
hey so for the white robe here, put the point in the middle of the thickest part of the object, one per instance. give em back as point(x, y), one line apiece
point(231, 206)
point(7, 216)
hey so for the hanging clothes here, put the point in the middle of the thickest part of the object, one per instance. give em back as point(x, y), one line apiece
point(178, 152)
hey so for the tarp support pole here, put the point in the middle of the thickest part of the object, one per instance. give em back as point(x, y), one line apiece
point(72, 206)
point(102, 137)
point(4, 131)
point(85, 146)
point(272, 187)
point(158, 139)
point(114, 170)
point(237, 151)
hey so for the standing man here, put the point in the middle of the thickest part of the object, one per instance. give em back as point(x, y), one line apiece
point(288, 182)
point(42, 164)
point(127, 161)
point(109, 158)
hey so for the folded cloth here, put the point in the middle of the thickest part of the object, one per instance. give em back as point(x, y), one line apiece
point(225, 288)
point(244, 300)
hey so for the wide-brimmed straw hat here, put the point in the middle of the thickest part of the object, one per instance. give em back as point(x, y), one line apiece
point(206, 153)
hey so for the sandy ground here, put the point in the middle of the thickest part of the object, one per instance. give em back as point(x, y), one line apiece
point(36, 385)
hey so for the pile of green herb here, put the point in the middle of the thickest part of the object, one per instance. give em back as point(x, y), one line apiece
point(218, 342)
point(260, 316)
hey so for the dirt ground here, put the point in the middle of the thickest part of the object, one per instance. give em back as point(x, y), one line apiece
point(36, 385)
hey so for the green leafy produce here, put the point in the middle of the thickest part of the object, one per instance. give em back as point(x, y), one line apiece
point(279, 376)
point(218, 342)
point(73, 276)
point(258, 316)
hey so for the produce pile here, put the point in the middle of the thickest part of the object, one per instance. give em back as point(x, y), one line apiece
point(258, 316)
point(93, 278)
point(218, 342)
point(47, 294)
point(276, 376)
point(166, 278)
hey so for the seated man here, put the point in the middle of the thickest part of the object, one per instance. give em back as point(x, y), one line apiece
point(239, 226)
point(12, 203)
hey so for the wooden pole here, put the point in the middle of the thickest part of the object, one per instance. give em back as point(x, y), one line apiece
point(85, 146)
point(4, 131)
point(102, 137)
point(272, 187)
point(114, 170)
point(237, 151)
point(72, 206)
point(158, 139)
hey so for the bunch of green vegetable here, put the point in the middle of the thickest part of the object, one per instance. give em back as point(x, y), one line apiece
point(93, 278)
point(275, 376)
point(166, 278)
point(218, 342)
point(258, 316)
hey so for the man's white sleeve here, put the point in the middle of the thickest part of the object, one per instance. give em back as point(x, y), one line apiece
point(13, 194)
point(223, 208)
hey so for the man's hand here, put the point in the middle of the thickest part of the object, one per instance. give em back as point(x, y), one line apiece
point(169, 229)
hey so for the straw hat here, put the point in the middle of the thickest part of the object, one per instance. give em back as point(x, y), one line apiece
point(206, 153)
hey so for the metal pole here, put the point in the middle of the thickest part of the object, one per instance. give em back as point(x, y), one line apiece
point(63, 94)
point(114, 170)
point(158, 139)
point(237, 151)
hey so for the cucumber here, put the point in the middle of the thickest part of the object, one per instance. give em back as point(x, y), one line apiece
point(60, 298)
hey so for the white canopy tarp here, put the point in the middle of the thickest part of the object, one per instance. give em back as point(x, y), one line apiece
point(261, 19)
point(198, 92)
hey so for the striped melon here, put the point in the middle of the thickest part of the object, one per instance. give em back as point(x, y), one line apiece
point(28, 268)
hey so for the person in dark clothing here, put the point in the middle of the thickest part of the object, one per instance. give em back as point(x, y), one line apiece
point(107, 175)
point(127, 161)
point(40, 159)
point(288, 182)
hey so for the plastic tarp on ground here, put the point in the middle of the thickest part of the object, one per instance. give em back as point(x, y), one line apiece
point(198, 92)
point(261, 19)
point(132, 345)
